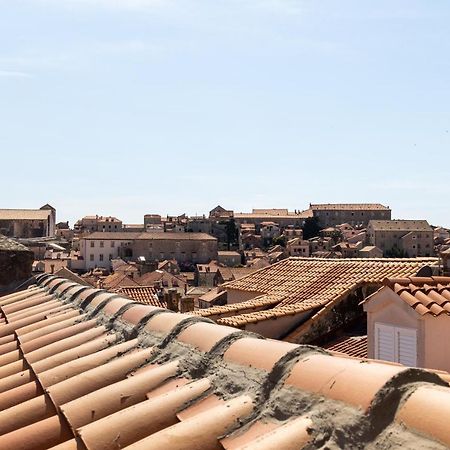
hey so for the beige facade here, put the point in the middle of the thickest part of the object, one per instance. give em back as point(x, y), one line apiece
point(370, 251)
point(298, 247)
point(354, 214)
point(282, 217)
point(28, 223)
point(91, 224)
point(413, 237)
point(97, 249)
point(420, 336)
point(229, 258)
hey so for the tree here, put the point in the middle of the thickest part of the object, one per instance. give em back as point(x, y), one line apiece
point(311, 227)
point(396, 252)
point(280, 240)
point(232, 233)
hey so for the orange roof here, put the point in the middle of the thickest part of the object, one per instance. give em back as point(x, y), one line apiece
point(314, 282)
point(350, 345)
point(142, 294)
point(426, 295)
point(117, 280)
point(81, 368)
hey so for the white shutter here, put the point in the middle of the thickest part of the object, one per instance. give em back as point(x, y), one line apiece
point(406, 346)
point(384, 342)
point(396, 344)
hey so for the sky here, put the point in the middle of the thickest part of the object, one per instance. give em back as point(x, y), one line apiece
point(128, 107)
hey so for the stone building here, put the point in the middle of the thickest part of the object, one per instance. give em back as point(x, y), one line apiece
point(354, 214)
point(98, 249)
point(28, 223)
point(91, 224)
point(407, 237)
point(16, 262)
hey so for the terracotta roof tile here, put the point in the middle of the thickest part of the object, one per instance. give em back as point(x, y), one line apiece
point(142, 294)
point(350, 345)
point(109, 373)
point(311, 282)
point(430, 295)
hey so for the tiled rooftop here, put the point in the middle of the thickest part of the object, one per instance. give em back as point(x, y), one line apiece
point(24, 214)
point(142, 294)
point(426, 295)
point(84, 369)
point(350, 345)
point(314, 282)
point(400, 225)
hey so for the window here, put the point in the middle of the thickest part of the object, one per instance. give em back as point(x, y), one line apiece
point(101, 256)
point(113, 244)
point(110, 256)
point(396, 344)
point(102, 244)
point(92, 244)
point(91, 257)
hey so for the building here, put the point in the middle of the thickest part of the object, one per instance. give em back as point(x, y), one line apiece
point(229, 258)
point(28, 223)
point(269, 231)
point(370, 251)
point(354, 214)
point(191, 384)
point(297, 247)
point(227, 274)
point(147, 295)
point(347, 250)
point(164, 281)
point(220, 213)
point(283, 217)
point(97, 249)
point(205, 274)
point(199, 225)
point(16, 262)
point(152, 219)
point(292, 232)
point(309, 300)
point(445, 258)
point(91, 224)
point(408, 321)
point(408, 238)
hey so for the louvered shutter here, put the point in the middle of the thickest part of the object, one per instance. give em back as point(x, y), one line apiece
point(396, 344)
point(406, 346)
point(384, 342)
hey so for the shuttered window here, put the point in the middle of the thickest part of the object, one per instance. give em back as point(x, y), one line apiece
point(396, 344)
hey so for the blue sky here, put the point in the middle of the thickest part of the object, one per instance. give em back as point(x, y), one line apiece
point(127, 107)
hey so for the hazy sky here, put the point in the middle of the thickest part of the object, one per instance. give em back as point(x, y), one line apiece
point(127, 107)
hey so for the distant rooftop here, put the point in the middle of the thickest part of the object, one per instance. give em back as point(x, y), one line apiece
point(349, 206)
point(400, 225)
point(24, 214)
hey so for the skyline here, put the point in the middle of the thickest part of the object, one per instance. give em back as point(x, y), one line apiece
point(127, 108)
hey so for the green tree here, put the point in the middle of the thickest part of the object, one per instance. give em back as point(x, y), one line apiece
point(311, 227)
point(280, 240)
point(396, 252)
point(232, 233)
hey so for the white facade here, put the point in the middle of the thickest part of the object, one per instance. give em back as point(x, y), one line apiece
point(98, 252)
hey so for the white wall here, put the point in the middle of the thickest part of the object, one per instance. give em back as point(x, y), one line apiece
point(86, 251)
